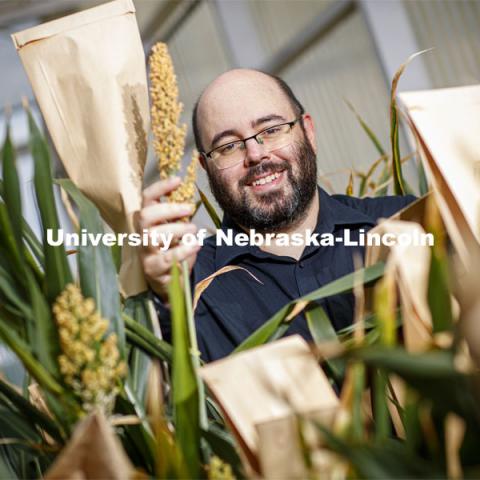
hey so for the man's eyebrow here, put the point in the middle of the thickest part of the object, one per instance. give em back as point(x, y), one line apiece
point(266, 119)
point(219, 136)
point(256, 123)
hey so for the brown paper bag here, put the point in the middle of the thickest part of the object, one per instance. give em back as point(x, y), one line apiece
point(265, 384)
point(447, 125)
point(93, 452)
point(89, 77)
point(411, 266)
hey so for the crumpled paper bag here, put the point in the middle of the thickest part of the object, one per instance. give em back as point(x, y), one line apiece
point(93, 452)
point(446, 123)
point(260, 389)
point(88, 74)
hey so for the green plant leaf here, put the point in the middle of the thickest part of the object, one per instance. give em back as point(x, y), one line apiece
point(432, 373)
point(33, 243)
point(117, 256)
point(398, 180)
point(142, 338)
point(136, 307)
point(365, 179)
point(439, 291)
point(223, 445)
point(10, 249)
point(138, 440)
point(341, 285)
point(376, 142)
point(385, 302)
point(195, 352)
point(31, 364)
point(57, 270)
point(6, 471)
point(210, 210)
point(13, 294)
point(381, 412)
point(98, 275)
point(358, 416)
point(184, 380)
point(384, 178)
point(13, 199)
point(390, 460)
point(322, 331)
point(12, 318)
point(42, 330)
point(31, 413)
point(422, 179)
point(10, 192)
point(411, 420)
point(349, 189)
point(10, 244)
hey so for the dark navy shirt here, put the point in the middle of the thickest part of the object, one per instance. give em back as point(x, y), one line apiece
point(236, 304)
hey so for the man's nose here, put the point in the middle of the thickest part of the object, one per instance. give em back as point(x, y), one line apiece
point(254, 152)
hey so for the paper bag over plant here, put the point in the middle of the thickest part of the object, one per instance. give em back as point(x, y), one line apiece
point(447, 124)
point(89, 77)
point(267, 384)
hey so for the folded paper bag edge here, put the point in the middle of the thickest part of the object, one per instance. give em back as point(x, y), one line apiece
point(75, 20)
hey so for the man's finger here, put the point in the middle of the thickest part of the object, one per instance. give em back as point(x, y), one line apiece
point(159, 213)
point(152, 194)
point(159, 264)
point(169, 232)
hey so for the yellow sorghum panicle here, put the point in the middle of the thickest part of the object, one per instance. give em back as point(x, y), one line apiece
point(219, 470)
point(90, 360)
point(169, 136)
point(185, 193)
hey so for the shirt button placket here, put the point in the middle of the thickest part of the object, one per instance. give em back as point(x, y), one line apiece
point(303, 276)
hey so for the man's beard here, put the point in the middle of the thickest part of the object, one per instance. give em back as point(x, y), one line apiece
point(273, 211)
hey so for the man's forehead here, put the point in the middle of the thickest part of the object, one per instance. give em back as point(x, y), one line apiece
point(241, 91)
point(240, 95)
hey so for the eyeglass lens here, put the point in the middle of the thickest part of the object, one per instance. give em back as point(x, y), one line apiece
point(274, 138)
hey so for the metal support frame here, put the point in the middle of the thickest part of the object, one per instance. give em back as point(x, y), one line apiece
point(168, 20)
point(39, 9)
point(395, 41)
point(237, 28)
point(320, 26)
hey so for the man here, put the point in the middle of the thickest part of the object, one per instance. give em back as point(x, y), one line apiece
point(258, 148)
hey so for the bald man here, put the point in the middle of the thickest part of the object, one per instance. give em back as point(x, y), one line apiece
point(258, 148)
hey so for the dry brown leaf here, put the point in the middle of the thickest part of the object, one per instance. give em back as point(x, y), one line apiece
point(69, 209)
point(399, 72)
point(298, 307)
point(201, 286)
point(454, 433)
point(118, 420)
point(38, 401)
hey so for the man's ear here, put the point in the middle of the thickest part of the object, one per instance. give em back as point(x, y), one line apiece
point(310, 130)
point(202, 161)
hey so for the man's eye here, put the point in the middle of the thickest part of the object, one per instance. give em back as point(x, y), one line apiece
point(271, 131)
point(228, 148)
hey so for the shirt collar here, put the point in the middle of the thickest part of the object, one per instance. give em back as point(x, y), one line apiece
point(331, 213)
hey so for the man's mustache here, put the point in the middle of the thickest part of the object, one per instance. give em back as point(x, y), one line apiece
point(264, 168)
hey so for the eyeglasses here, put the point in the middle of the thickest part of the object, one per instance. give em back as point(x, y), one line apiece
point(272, 138)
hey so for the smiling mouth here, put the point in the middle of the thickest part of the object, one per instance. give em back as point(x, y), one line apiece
point(265, 178)
point(268, 179)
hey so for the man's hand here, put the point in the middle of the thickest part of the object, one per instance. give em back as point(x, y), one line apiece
point(162, 218)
